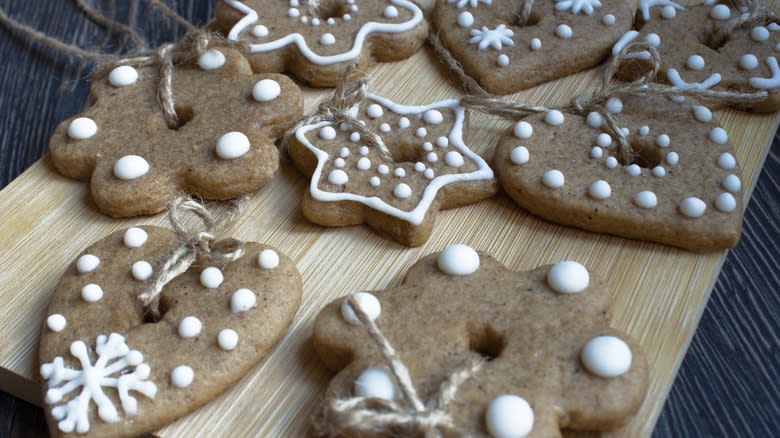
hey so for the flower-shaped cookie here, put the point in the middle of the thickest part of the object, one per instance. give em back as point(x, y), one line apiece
point(318, 41)
point(504, 55)
point(222, 148)
point(552, 361)
point(430, 168)
point(109, 369)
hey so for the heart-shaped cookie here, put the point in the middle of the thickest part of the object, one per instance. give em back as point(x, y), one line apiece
point(504, 54)
point(551, 361)
point(110, 369)
point(680, 186)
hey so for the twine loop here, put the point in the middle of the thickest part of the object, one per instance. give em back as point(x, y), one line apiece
point(754, 12)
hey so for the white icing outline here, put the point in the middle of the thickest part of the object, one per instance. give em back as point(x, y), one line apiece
point(417, 215)
point(251, 16)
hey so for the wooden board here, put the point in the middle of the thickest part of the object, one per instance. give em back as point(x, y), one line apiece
point(659, 296)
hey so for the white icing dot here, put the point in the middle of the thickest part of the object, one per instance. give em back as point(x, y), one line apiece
point(759, 33)
point(731, 183)
point(727, 161)
point(458, 259)
point(232, 145)
point(402, 191)
point(268, 259)
point(374, 111)
point(261, 31)
point(659, 171)
point(211, 60)
point(604, 140)
point(519, 155)
point(536, 44)
point(227, 339)
point(433, 117)
point(82, 128)
point(564, 31)
point(608, 19)
point(327, 133)
point(87, 263)
point(719, 135)
point(293, 12)
point(672, 158)
point(211, 277)
point(509, 416)
point(404, 123)
point(242, 300)
point(331, 21)
point(646, 199)
point(383, 169)
point(182, 376)
point(653, 39)
point(354, 138)
point(644, 130)
point(594, 120)
point(130, 167)
point(600, 190)
point(327, 39)
point(568, 277)
point(134, 237)
point(364, 163)
point(720, 12)
point(695, 62)
point(502, 60)
point(726, 202)
point(606, 356)
point(189, 327)
point(624, 131)
point(374, 181)
point(384, 127)
point(465, 19)
point(427, 146)
point(367, 302)
point(91, 293)
point(419, 167)
point(453, 159)
point(346, 17)
point(553, 118)
point(553, 179)
point(702, 113)
point(633, 170)
point(339, 163)
point(123, 76)
point(748, 61)
point(142, 270)
point(596, 152)
point(421, 132)
point(614, 105)
point(56, 322)
point(692, 207)
point(399, 172)
point(668, 12)
point(375, 382)
point(611, 162)
point(338, 177)
point(266, 90)
point(442, 142)
point(390, 12)
point(344, 152)
point(523, 130)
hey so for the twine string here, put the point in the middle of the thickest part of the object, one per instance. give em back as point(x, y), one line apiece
point(525, 12)
point(109, 23)
point(754, 12)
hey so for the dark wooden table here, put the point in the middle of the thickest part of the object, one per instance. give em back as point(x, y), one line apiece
point(729, 383)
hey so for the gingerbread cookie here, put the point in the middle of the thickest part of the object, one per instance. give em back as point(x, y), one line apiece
point(317, 41)
point(698, 51)
point(549, 358)
point(223, 146)
point(112, 369)
point(505, 53)
point(428, 169)
point(680, 185)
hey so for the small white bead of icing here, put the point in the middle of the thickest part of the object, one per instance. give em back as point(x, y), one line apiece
point(727, 161)
point(519, 155)
point(600, 190)
point(134, 237)
point(399, 172)
point(719, 135)
point(604, 140)
point(726, 202)
point(720, 12)
point(346, 17)
point(242, 300)
point(327, 133)
point(442, 142)
point(421, 132)
point(260, 31)
point(331, 21)
point(458, 259)
point(553, 118)
point(182, 376)
point(433, 117)
point(130, 167)
point(614, 105)
point(91, 293)
point(363, 163)
point(87, 263)
point(606, 356)
point(327, 39)
point(594, 120)
point(523, 130)
point(354, 138)
point(402, 191)
point(338, 177)
point(672, 158)
point(404, 123)
point(564, 31)
point(692, 207)
point(266, 90)
point(390, 12)
point(374, 181)
point(608, 19)
point(611, 162)
point(383, 169)
point(293, 12)
point(211, 60)
point(568, 277)
point(624, 131)
point(419, 166)
point(123, 76)
point(759, 33)
point(427, 146)
point(227, 339)
point(536, 44)
point(668, 12)
point(644, 130)
point(142, 270)
point(502, 60)
point(211, 277)
point(731, 183)
point(375, 382)
point(653, 39)
point(659, 171)
point(367, 302)
point(646, 199)
point(189, 327)
point(695, 62)
point(465, 19)
point(232, 145)
point(432, 157)
point(453, 159)
point(374, 111)
point(553, 179)
point(82, 128)
point(748, 61)
point(702, 113)
point(344, 152)
point(384, 127)
point(633, 170)
point(339, 163)
point(268, 259)
point(596, 152)
point(56, 322)
point(509, 416)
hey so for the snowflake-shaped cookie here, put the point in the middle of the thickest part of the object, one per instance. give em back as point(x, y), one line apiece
point(430, 168)
point(317, 45)
point(216, 322)
point(223, 147)
point(544, 333)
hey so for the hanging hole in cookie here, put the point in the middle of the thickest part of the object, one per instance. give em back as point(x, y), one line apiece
point(644, 153)
point(533, 19)
point(185, 114)
point(486, 341)
point(331, 9)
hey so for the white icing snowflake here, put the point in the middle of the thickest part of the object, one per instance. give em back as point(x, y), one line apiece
point(586, 6)
point(770, 82)
point(645, 5)
point(92, 378)
point(676, 80)
point(471, 3)
point(494, 38)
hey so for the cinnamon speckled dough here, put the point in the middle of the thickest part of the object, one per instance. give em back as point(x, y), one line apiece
point(503, 56)
point(687, 43)
point(277, 291)
point(430, 169)
point(318, 46)
point(533, 335)
point(210, 103)
point(680, 153)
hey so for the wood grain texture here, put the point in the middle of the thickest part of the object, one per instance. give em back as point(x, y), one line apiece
point(730, 389)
